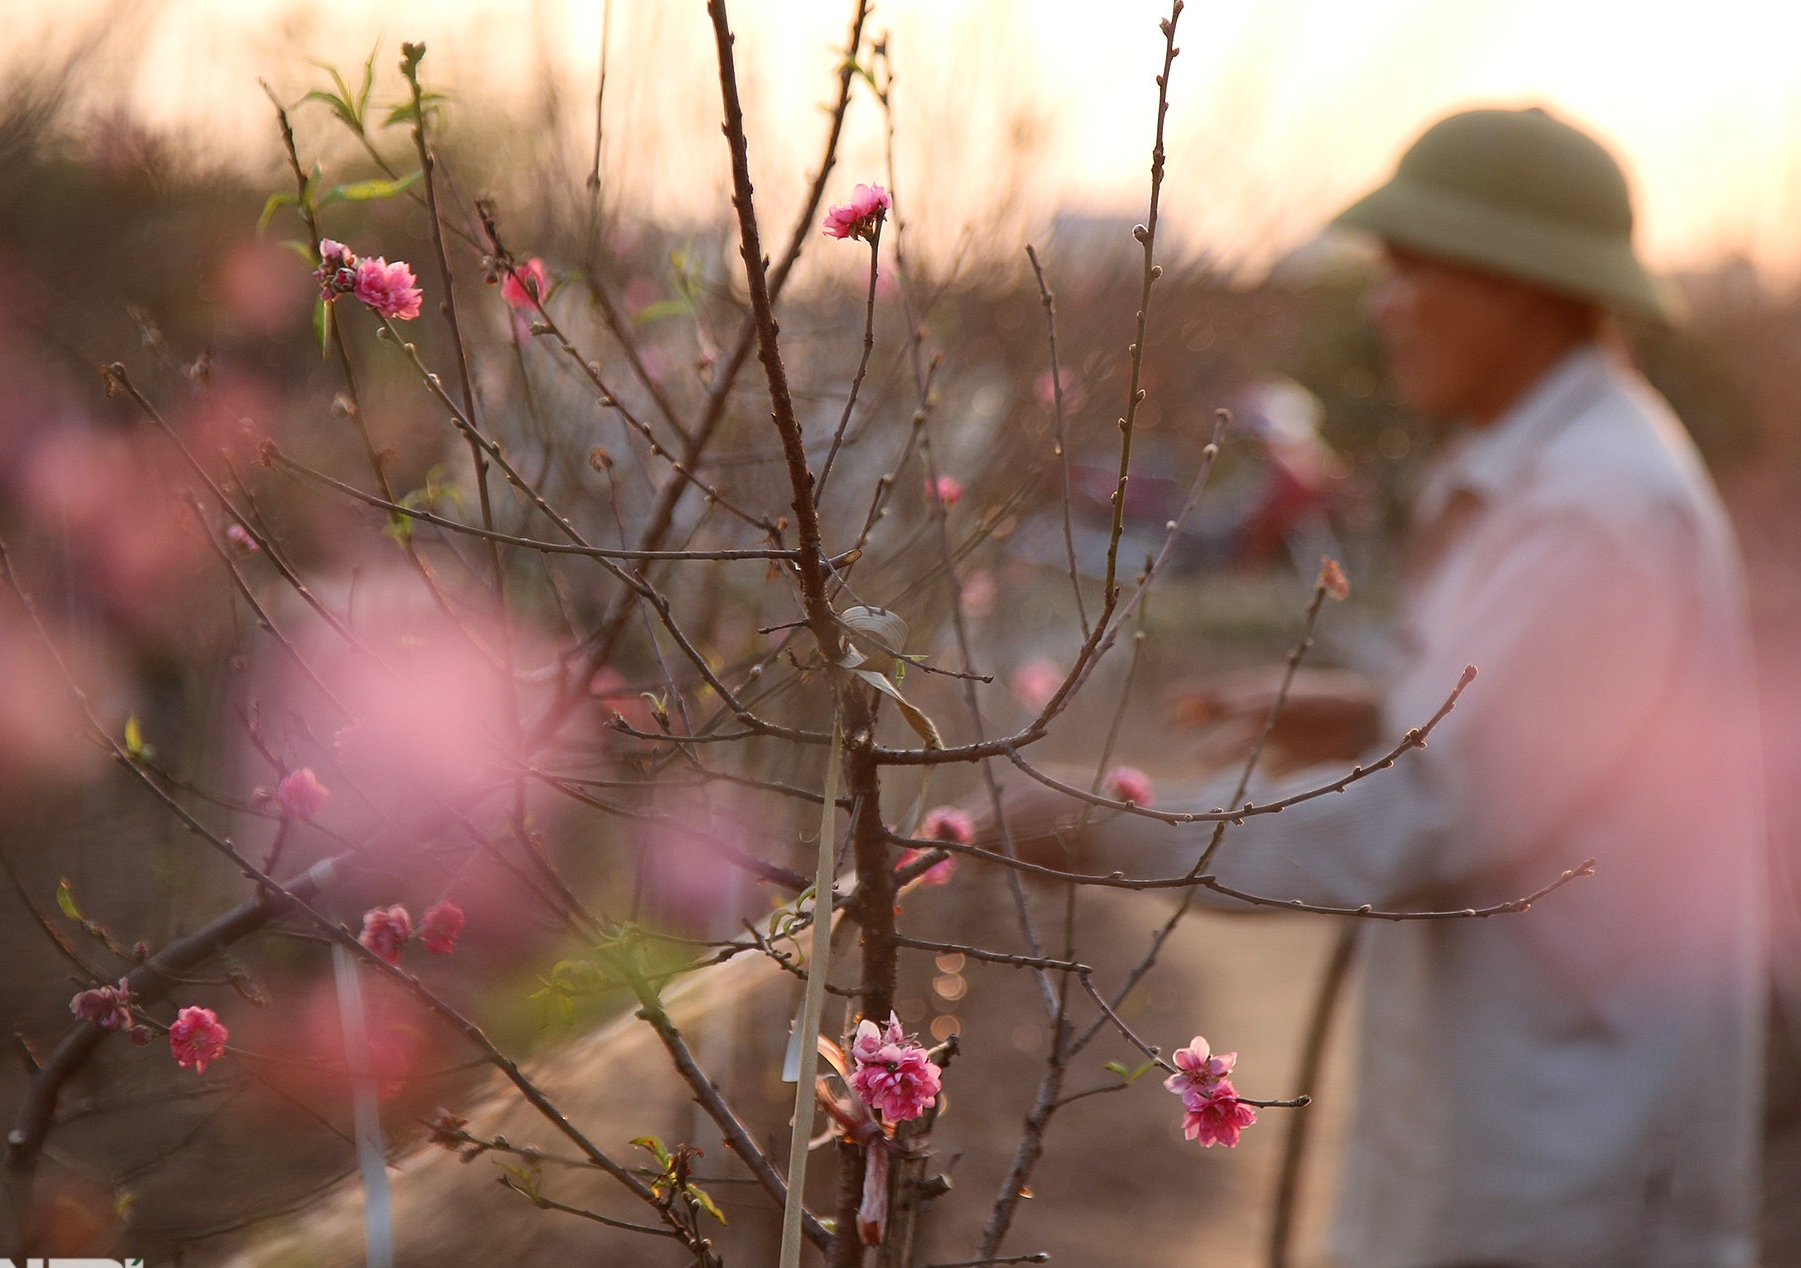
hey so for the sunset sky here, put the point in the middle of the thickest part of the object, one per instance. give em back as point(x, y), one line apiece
point(1008, 110)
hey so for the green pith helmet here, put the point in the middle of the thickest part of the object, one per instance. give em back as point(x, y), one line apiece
point(1522, 194)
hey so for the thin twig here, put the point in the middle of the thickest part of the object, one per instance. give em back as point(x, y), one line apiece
point(992, 957)
point(856, 383)
point(1069, 541)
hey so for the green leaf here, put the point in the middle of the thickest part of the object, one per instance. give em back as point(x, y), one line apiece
point(276, 203)
point(706, 1203)
point(576, 976)
point(405, 113)
point(661, 309)
point(340, 107)
point(530, 1181)
point(134, 739)
point(322, 325)
point(1127, 1073)
point(654, 1147)
point(65, 899)
point(362, 98)
point(368, 191)
point(310, 191)
point(302, 249)
point(399, 527)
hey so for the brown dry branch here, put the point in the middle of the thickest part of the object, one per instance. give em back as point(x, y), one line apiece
point(856, 383)
point(603, 642)
point(1069, 541)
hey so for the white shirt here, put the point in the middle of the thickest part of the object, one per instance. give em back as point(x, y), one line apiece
point(1578, 1084)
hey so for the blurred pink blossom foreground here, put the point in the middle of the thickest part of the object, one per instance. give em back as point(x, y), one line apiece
point(945, 489)
point(440, 927)
point(526, 282)
point(301, 795)
point(1036, 681)
point(942, 823)
point(1128, 783)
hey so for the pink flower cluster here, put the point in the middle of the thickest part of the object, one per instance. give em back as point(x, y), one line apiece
point(893, 1075)
point(390, 289)
point(197, 1037)
point(387, 930)
point(300, 794)
point(336, 273)
point(1213, 1113)
point(108, 1007)
point(862, 216)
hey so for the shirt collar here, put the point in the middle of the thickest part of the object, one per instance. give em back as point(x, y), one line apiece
point(1487, 461)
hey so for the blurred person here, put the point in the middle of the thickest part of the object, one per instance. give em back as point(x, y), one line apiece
point(1579, 1084)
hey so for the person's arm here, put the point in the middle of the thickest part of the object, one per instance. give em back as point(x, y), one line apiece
point(1574, 637)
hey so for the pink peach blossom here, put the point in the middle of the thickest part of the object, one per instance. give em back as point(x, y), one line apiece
point(440, 927)
point(942, 823)
point(1036, 681)
point(336, 273)
point(389, 289)
point(1128, 783)
point(386, 930)
point(893, 1075)
point(947, 823)
point(240, 537)
point(108, 1007)
point(1219, 1118)
point(197, 1038)
point(301, 795)
point(870, 1038)
point(526, 281)
point(945, 489)
point(1199, 1070)
point(862, 216)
